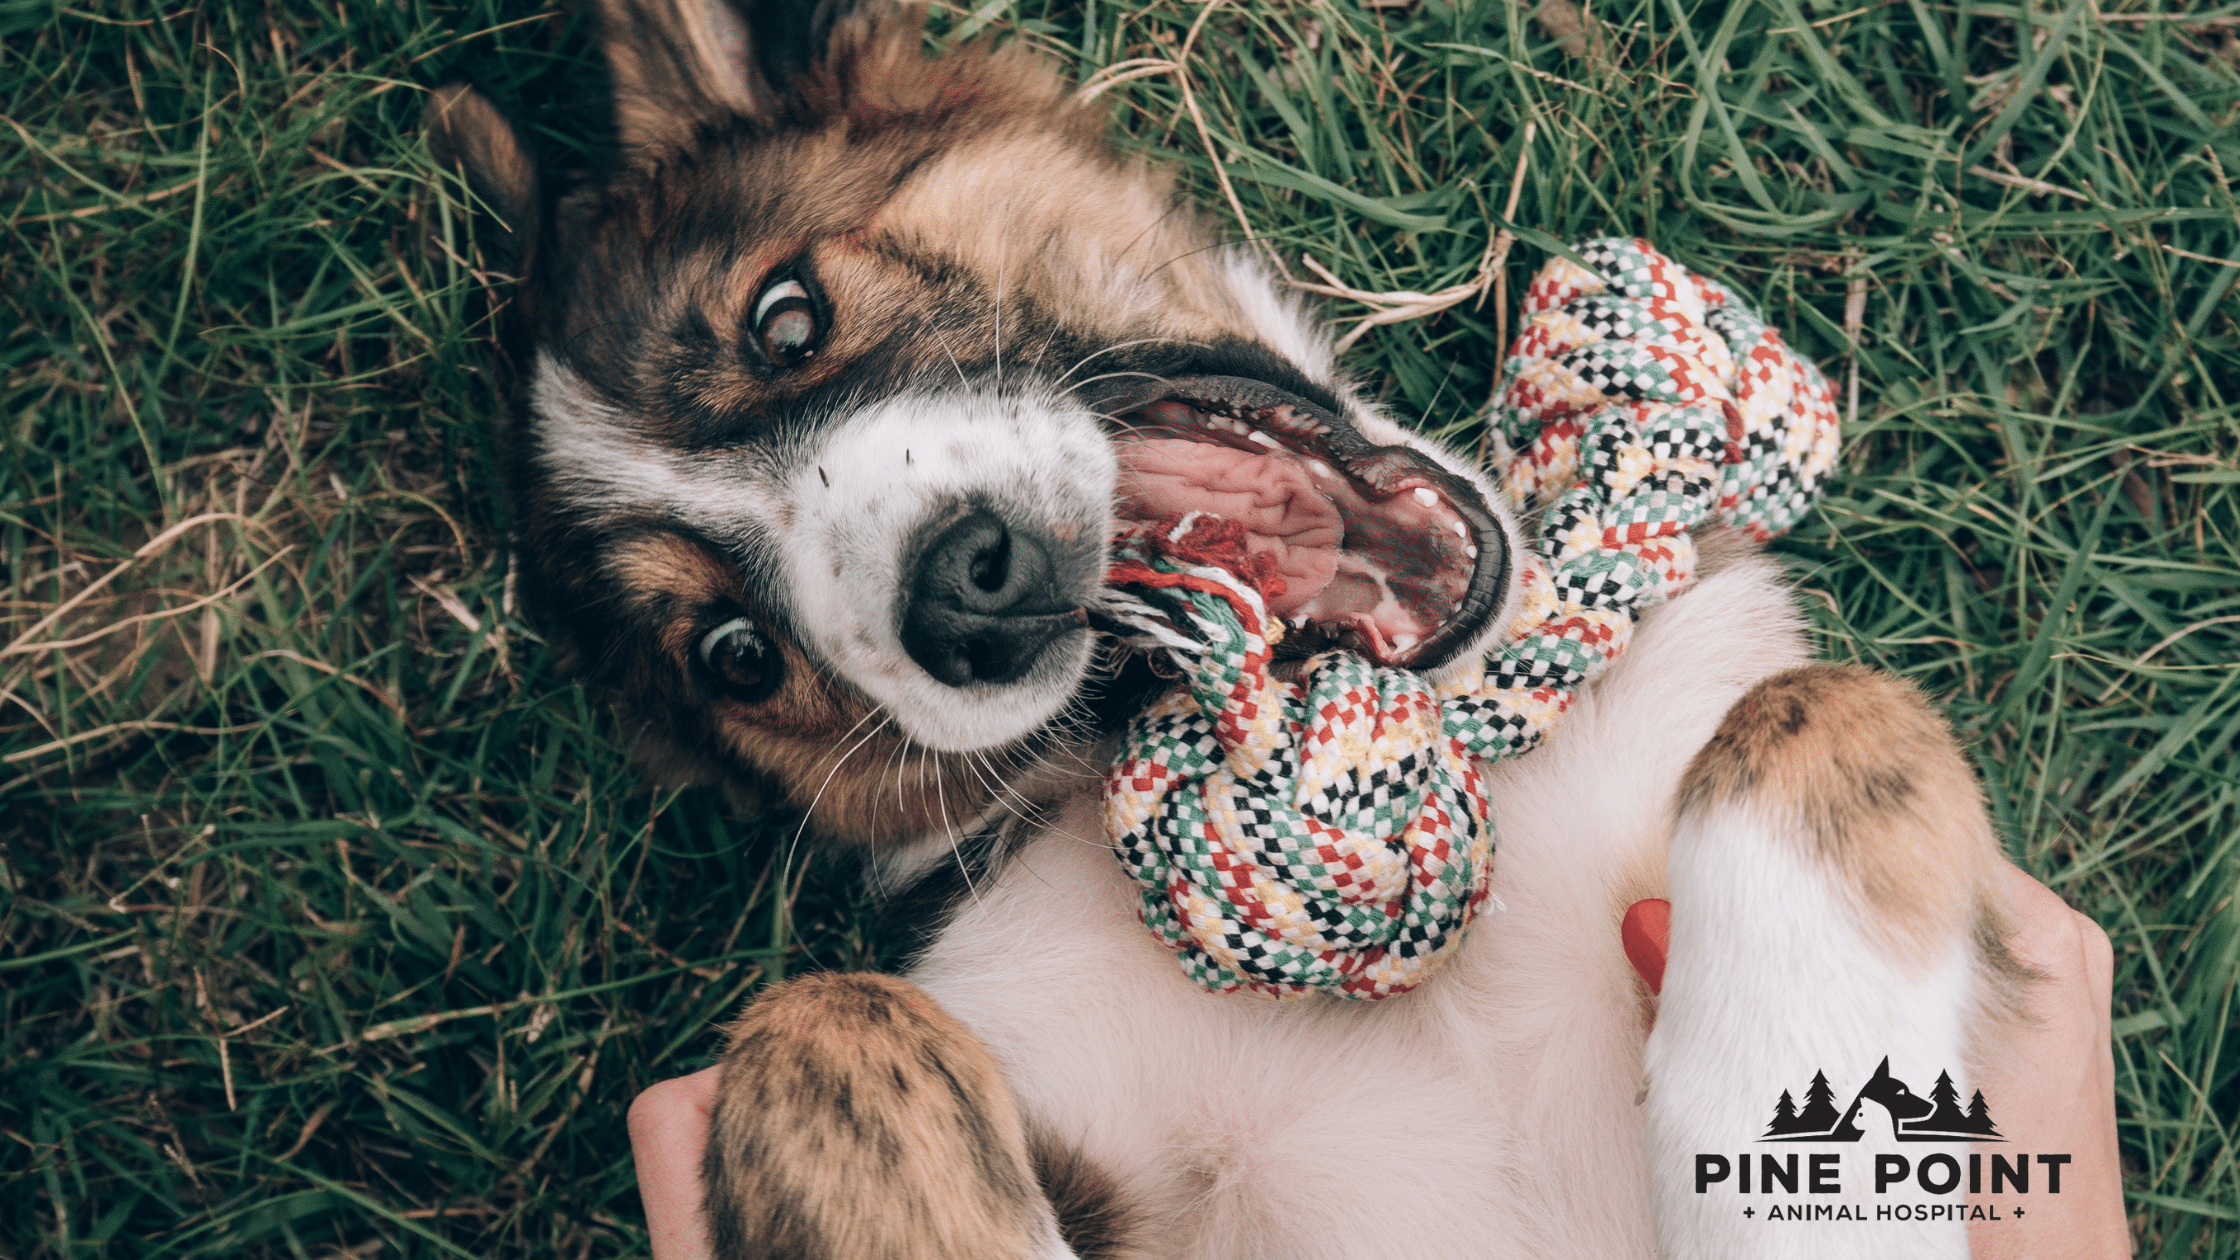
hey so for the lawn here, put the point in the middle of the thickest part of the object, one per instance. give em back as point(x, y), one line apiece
point(333, 921)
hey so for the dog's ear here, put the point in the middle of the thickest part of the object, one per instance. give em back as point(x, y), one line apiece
point(679, 63)
point(468, 136)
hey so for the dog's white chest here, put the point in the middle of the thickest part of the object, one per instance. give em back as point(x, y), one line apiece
point(1491, 1110)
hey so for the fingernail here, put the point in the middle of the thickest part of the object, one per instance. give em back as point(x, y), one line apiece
point(1646, 932)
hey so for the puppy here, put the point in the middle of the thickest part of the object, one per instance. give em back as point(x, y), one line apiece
point(826, 399)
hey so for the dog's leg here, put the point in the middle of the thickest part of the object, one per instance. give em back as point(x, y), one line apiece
point(1834, 901)
point(857, 1121)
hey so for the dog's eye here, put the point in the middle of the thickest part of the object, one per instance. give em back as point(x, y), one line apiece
point(785, 323)
point(740, 662)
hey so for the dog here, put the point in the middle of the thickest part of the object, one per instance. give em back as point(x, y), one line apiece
point(825, 401)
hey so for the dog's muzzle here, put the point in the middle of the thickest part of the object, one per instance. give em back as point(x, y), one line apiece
point(984, 600)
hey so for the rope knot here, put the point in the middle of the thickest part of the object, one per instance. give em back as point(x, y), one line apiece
point(1332, 833)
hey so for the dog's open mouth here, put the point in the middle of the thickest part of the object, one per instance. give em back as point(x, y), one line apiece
point(1380, 550)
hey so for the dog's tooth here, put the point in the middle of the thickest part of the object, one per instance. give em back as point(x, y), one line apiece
point(1460, 530)
point(1320, 469)
point(1264, 440)
point(1403, 641)
point(1427, 496)
point(1471, 551)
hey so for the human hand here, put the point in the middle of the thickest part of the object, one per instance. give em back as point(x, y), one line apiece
point(669, 1126)
point(2053, 1077)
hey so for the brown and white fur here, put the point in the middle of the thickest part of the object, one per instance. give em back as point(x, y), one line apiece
point(981, 281)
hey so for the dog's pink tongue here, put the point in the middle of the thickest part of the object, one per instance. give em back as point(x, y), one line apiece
point(1283, 514)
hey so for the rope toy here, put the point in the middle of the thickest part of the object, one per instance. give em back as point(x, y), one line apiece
point(1332, 833)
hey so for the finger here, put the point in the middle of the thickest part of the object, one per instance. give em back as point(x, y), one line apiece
point(1646, 933)
point(2045, 928)
point(2054, 1081)
point(699, 1089)
point(2099, 980)
point(2099, 957)
point(669, 1126)
point(674, 1110)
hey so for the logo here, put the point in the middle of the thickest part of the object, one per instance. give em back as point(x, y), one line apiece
point(1937, 1118)
point(1942, 1178)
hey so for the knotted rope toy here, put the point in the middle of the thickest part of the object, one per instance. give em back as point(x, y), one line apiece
point(1332, 833)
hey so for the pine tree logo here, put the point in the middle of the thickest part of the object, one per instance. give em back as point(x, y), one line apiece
point(1936, 1118)
point(1784, 1116)
point(1979, 1118)
point(1947, 1118)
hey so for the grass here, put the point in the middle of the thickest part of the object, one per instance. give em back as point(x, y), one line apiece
point(332, 922)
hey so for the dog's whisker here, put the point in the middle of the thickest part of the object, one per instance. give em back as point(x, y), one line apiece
point(1003, 250)
point(894, 765)
point(1121, 422)
point(1192, 253)
point(1122, 375)
point(976, 763)
point(1044, 352)
point(794, 846)
point(944, 342)
point(1116, 348)
point(949, 827)
point(1026, 809)
point(1174, 206)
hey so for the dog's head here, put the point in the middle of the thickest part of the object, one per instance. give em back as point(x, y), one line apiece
point(828, 398)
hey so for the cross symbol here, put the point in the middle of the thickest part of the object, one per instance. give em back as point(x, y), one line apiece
point(2018, 1212)
point(1754, 1212)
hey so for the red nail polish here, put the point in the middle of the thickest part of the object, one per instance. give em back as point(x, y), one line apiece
point(1647, 933)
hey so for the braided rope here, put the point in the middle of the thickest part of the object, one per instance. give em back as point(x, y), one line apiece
point(1332, 833)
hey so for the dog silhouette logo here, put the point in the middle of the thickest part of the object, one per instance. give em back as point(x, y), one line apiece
point(1913, 1118)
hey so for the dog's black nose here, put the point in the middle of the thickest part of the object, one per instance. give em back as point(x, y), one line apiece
point(984, 602)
